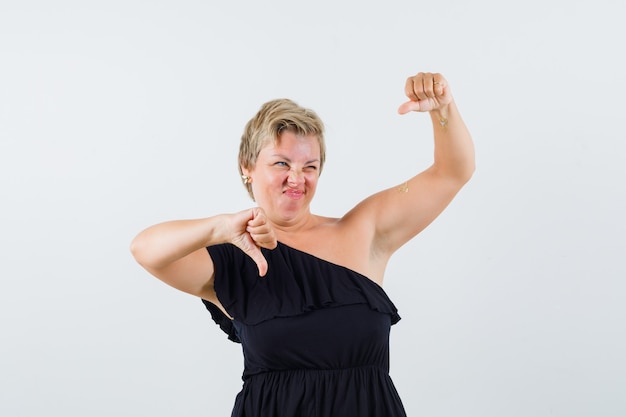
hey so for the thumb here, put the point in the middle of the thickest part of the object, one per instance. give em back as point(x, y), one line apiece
point(247, 245)
point(261, 263)
point(408, 107)
point(257, 256)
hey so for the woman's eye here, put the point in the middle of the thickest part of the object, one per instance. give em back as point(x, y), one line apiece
point(281, 164)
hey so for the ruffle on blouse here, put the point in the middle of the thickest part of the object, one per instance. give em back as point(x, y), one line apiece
point(296, 283)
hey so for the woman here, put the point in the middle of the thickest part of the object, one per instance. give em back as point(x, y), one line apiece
point(315, 328)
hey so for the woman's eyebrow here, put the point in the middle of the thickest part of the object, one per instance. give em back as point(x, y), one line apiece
point(289, 160)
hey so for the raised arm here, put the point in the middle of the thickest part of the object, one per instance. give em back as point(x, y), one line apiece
point(400, 213)
point(175, 251)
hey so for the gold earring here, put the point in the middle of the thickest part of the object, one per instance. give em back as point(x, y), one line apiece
point(246, 179)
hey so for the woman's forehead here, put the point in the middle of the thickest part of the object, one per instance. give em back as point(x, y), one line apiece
point(289, 142)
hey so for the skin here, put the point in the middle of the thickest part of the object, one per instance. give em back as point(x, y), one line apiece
point(284, 181)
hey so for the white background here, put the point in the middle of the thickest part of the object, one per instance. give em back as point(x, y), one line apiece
point(116, 115)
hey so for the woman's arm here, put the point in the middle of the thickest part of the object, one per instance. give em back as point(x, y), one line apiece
point(400, 213)
point(175, 251)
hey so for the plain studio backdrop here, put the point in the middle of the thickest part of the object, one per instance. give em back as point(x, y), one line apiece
point(120, 114)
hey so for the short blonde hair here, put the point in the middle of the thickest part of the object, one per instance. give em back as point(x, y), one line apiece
point(271, 120)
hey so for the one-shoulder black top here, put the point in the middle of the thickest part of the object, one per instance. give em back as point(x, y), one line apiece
point(315, 335)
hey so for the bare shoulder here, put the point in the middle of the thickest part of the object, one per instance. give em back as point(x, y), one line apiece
point(345, 241)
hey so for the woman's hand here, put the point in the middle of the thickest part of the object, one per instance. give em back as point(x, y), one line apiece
point(426, 92)
point(251, 231)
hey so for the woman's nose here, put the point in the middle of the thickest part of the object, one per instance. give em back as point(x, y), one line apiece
point(295, 177)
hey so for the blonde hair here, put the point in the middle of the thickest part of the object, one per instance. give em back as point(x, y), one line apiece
point(271, 120)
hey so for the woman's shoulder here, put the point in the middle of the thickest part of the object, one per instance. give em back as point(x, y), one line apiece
point(342, 241)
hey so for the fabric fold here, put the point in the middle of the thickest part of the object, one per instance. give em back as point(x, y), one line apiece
point(296, 283)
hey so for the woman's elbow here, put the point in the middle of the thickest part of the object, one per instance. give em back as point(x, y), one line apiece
point(137, 249)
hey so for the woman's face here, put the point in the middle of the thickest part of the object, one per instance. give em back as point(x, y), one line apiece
point(285, 177)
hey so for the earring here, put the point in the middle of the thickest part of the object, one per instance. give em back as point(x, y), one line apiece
point(246, 179)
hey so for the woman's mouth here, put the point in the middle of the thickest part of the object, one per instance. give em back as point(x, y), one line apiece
point(294, 194)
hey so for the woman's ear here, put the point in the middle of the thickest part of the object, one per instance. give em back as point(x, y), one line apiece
point(245, 176)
